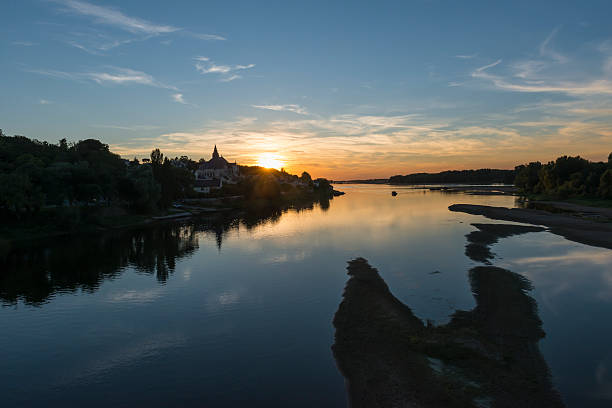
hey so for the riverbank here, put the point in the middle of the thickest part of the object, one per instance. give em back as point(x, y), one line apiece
point(62, 222)
point(570, 225)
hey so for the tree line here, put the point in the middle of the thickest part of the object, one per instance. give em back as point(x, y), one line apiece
point(566, 177)
point(36, 174)
point(480, 176)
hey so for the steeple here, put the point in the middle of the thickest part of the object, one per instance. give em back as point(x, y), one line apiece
point(215, 153)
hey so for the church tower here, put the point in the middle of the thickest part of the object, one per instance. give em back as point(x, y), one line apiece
point(215, 153)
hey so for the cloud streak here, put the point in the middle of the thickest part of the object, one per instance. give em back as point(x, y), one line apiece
point(228, 72)
point(117, 76)
point(547, 51)
point(529, 83)
point(110, 16)
point(24, 43)
point(287, 108)
point(115, 18)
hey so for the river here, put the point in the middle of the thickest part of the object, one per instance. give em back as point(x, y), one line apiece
point(238, 311)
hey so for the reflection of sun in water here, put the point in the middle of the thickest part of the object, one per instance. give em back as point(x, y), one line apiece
point(270, 161)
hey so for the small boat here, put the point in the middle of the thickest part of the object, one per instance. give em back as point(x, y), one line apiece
point(394, 193)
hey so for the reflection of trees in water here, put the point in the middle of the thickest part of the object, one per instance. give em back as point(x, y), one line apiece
point(84, 262)
point(69, 264)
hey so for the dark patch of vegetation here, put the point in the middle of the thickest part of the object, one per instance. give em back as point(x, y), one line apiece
point(566, 177)
point(67, 185)
point(481, 176)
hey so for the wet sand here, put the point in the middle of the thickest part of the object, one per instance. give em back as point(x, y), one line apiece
point(568, 225)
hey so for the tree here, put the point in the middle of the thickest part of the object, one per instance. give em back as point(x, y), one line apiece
point(306, 178)
point(605, 184)
point(157, 158)
point(526, 177)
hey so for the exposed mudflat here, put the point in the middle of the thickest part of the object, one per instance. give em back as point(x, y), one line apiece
point(574, 228)
point(484, 357)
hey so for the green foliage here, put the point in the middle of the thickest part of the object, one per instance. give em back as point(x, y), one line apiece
point(566, 177)
point(35, 175)
point(527, 176)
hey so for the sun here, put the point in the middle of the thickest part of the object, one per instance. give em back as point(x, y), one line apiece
point(270, 161)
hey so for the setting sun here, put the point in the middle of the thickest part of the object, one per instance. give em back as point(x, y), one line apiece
point(270, 161)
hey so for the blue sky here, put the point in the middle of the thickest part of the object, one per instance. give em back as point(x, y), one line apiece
point(352, 89)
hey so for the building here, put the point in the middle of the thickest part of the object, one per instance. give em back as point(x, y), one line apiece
point(212, 174)
point(204, 186)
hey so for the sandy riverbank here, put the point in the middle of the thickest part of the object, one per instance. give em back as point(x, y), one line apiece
point(567, 224)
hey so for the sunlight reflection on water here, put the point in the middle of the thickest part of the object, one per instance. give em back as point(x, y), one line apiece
point(240, 313)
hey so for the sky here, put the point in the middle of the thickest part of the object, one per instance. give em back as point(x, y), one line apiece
point(339, 89)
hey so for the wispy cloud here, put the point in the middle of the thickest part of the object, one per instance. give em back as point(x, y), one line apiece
point(485, 67)
point(212, 68)
point(133, 128)
point(55, 74)
point(115, 75)
point(82, 47)
point(178, 97)
point(547, 51)
point(44, 102)
point(230, 78)
point(288, 108)
point(552, 72)
point(206, 37)
point(24, 43)
point(126, 76)
point(96, 42)
point(227, 72)
point(111, 16)
point(529, 83)
point(465, 56)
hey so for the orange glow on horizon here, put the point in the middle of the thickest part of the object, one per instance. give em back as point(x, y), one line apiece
point(270, 161)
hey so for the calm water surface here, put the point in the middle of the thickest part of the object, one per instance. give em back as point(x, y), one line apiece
point(238, 312)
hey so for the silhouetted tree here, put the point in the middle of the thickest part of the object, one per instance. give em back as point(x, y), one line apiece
point(565, 177)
